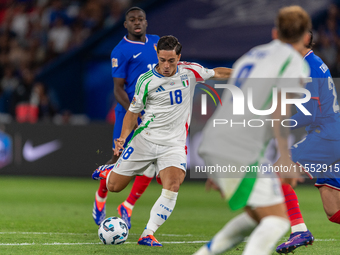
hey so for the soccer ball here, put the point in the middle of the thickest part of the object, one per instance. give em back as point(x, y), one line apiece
point(113, 230)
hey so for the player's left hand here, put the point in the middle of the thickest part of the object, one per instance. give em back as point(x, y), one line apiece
point(119, 146)
point(291, 173)
point(292, 181)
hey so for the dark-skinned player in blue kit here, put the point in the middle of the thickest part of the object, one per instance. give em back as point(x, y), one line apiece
point(135, 54)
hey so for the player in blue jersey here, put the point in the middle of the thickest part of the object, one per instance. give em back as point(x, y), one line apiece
point(319, 150)
point(135, 54)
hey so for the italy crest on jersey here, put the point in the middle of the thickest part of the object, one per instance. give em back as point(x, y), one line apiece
point(185, 80)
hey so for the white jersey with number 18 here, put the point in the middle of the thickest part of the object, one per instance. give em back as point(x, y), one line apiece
point(167, 103)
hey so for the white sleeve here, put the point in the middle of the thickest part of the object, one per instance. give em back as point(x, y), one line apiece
point(201, 73)
point(141, 94)
point(294, 74)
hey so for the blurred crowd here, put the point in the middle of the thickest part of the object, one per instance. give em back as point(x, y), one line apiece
point(327, 39)
point(33, 33)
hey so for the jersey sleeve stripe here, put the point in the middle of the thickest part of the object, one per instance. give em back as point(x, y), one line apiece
point(141, 80)
point(142, 76)
point(146, 92)
point(319, 103)
point(189, 63)
point(140, 85)
point(284, 66)
point(197, 75)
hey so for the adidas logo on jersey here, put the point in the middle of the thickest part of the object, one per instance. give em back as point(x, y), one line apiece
point(160, 88)
point(184, 165)
point(164, 217)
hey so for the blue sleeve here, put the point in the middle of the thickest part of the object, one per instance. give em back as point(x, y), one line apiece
point(312, 105)
point(305, 120)
point(119, 64)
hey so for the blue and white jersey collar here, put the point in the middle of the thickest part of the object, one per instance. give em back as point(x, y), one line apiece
point(308, 53)
point(157, 74)
point(136, 42)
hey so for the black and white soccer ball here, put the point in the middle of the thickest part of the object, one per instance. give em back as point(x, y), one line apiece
point(113, 230)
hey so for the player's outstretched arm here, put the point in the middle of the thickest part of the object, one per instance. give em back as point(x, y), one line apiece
point(129, 122)
point(222, 73)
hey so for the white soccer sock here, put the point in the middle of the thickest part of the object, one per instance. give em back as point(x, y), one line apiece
point(128, 205)
point(230, 235)
point(160, 211)
point(100, 199)
point(299, 228)
point(266, 235)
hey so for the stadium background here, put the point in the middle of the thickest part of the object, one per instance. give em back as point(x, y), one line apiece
point(46, 198)
point(77, 79)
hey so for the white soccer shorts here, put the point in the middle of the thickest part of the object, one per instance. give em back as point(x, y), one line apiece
point(141, 153)
point(265, 192)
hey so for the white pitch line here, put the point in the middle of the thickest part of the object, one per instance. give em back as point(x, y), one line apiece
point(134, 234)
point(56, 233)
point(55, 243)
point(19, 244)
point(325, 240)
point(42, 233)
point(99, 243)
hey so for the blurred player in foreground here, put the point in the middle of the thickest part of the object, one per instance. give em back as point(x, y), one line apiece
point(164, 94)
point(134, 55)
point(320, 149)
point(263, 69)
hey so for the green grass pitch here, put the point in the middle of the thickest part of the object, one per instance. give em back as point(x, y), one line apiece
point(53, 216)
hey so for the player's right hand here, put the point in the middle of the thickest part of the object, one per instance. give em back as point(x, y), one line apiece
point(210, 184)
point(119, 146)
point(291, 173)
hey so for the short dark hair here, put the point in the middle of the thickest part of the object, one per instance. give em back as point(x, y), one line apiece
point(134, 8)
point(311, 43)
point(169, 42)
point(292, 22)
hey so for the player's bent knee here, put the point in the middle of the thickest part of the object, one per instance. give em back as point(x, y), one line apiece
point(117, 182)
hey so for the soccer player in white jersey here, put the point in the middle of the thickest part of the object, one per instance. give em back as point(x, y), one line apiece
point(135, 54)
point(261, 69)
point(164, 94)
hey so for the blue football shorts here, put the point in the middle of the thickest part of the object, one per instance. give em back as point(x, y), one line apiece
point(320, 158)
